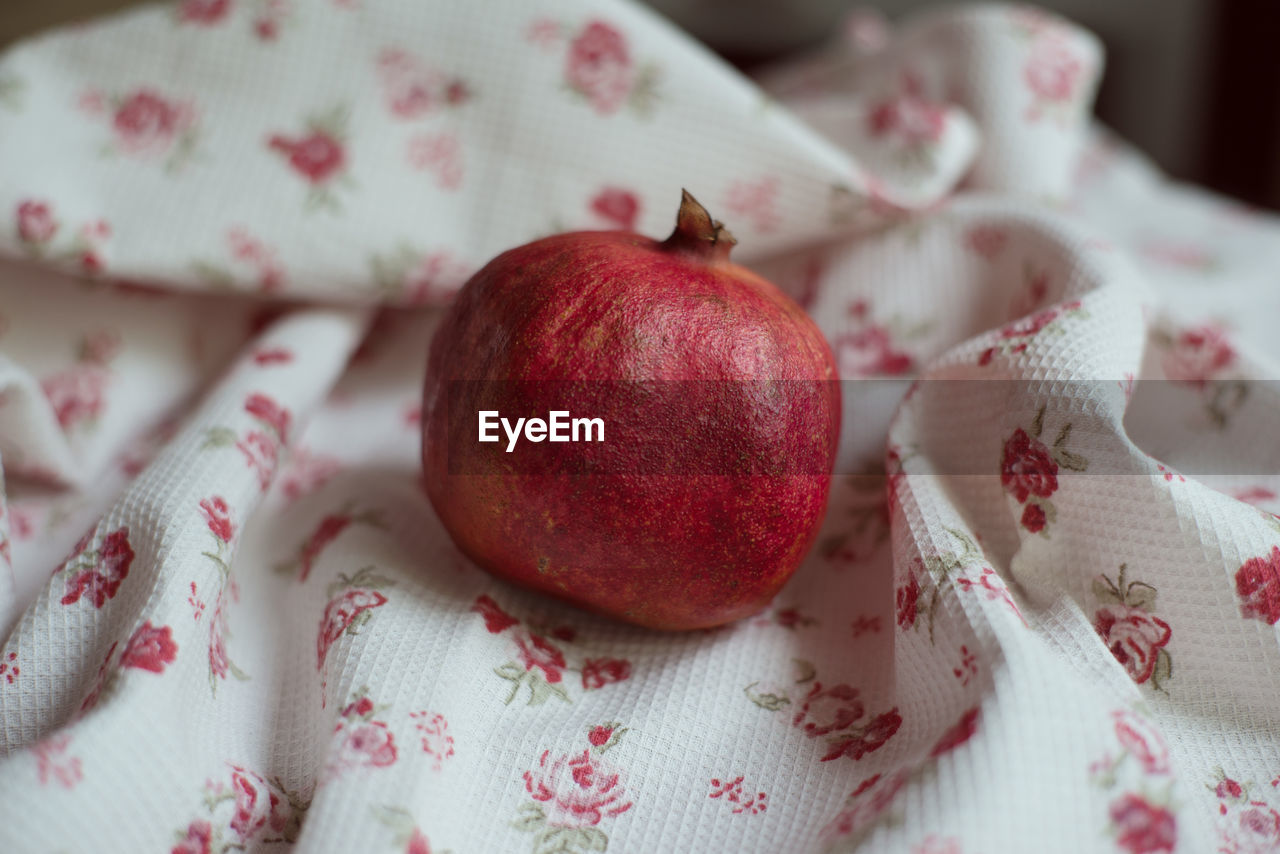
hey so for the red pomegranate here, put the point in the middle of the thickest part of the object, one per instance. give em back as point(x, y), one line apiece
point(719, 408)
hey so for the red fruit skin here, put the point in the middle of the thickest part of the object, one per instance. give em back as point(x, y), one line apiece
point(666, 550)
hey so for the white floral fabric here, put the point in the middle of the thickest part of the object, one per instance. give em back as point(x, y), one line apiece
point(1042, 612)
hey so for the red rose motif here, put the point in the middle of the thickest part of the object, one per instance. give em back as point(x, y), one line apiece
point(359, 709)
point(218, 516)
point(219, 664)
point(913, 121)
point(147, 122)
point(828, 709)
point(150, 648)
point(316, 157)
point(963, 730)
point(577, 791)
point(538, 652)
point(76, 394)
point(600, 735)
point(907, 597)
point(329, 529)
point(1142, 741)
point(870, 351)
point(111, 567)
point(1198, 355)
point(871, 738)
point(1030, 326)
point(369, 743)
point(599, 672)
point(496, 620)
point(256, 806)
point(599, 66)
point(1256, 831)
point(260, 453)
point(203, 11)
point(199, 839)
point(618, 206)
point(418, 843)
point(340, 614)
point(1258, 586)
point(1133, 636)
point(1229, 789)
point(36, 224)
point(1033, 518)
point(265, 409)
point(1027, 468)
point(1143, 828)
point(1052, 71)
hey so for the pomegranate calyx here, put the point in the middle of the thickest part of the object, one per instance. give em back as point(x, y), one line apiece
point(697, 234)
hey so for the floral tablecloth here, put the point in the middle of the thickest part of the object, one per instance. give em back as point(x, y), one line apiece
point(1042, 613)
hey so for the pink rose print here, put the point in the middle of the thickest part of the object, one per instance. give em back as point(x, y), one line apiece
point(308, 471)
point(755, 202)
point(409, 276)
point(598, 672)
point(538, 652)
point(618, 207)
point(436, 741)
point(1229, 790)
point(1135, 637)
point(350, 607)
point(1029, 472)
point(319, 156)
point(256, 806)
point(246, 812)
point(362, 740)
point(963, 730)
point(933, 844)
point(988, 241)
point(1053, 75)
point(76, 394)
point(1027, 468)
point(860, 741)
point(411, 89)
point(829, 709)
point(260, 454)
point(496, 620)
point(1141, 827)
point(599, 67)
point(98, 573)
point(1179, 255)
point(218, 517)
point(203, 12)
point(408, 837)
point(146, 122)
point(1141, 741)
point(271, 16)
point(54, 765)
point(219, 663)
point(330, 528)
point(440, 154)
point(736, 794)
point(1258, 586)
point(36, 223)
point(268, 356)
point(150, 648)
point(1198, 355)
point(907, 597)
point(599, 735)
point(9, 669)
point(871, 351)
point(910, 125)
point(867, 625)
point(1255, 829)
point(577, 790)
point(199, 835)
point(270, 413)
point(867, 802)
point(255, 254)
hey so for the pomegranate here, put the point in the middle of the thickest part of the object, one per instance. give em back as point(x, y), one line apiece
point(718, 411)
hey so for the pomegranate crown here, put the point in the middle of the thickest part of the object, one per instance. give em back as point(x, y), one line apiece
point(697, 234)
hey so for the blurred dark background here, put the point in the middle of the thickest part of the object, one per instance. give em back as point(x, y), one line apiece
point(1194, 83)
